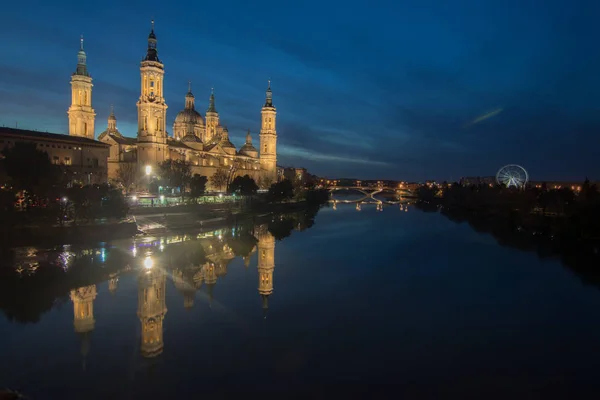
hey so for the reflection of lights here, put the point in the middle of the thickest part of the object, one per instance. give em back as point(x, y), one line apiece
point(134, 251)
point(162, 247)
point(220, 237)
point(148, 169)
point(134, 198)
point(103, 255)
point(162, 198)
point(148, 263)
point(220, 195)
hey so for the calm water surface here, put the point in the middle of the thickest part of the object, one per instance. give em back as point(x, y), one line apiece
point(396, 304)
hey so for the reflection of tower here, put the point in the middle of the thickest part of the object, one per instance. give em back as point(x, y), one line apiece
point(266, 264)
point(112, 283)
point(210, 278)
point(183, 279)
point(83, 315)
point(246, 261)
point(151, 311)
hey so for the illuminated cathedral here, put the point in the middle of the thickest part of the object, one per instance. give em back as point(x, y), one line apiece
point(202, 141)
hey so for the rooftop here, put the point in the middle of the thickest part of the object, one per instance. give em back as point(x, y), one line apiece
point(50, 136)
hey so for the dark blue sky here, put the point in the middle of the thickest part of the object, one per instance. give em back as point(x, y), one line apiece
point(377, 89)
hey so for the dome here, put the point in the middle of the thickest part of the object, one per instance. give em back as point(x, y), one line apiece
point(189, 116)
point(247, 149)
point(225, 142)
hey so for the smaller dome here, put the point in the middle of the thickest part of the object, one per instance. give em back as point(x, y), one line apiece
point(189, 116)
point(191, 138)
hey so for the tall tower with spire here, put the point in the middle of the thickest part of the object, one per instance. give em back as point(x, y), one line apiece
point(268, 138)
point(212, 117)
point(266, 263)
point(152, 109)
point(151, 310)
point(81, 114)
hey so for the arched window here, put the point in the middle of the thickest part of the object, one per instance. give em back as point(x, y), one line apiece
point(85, 97)
point(85, 128)
point(265, 149)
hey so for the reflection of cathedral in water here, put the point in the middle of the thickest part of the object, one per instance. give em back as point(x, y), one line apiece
point(151, 310)
point(190, 271)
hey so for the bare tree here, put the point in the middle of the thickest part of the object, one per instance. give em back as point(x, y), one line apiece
point(266, 181)
point(219, 179)
point(127, 175)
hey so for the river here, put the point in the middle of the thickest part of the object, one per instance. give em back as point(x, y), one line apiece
point(390, 304)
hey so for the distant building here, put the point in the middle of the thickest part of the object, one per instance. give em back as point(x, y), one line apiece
point(85, 158)
point(477, 180)
point(294, 173)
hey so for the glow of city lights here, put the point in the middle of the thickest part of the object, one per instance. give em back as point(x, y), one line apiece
point(220, 194)
point(134, 198)
point(148, 263)
point(162, 198)
point(148, 169)
point(64, 199)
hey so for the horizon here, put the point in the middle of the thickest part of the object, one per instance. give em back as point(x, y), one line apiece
point(399, 92)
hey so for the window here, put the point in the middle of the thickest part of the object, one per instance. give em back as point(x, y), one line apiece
point(265, 149)
point(67, 160)
point(55, 160)
point(85, 128)
point(85, 97)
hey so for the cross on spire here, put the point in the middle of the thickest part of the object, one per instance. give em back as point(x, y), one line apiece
point(152, 24)
point(189, 86)
point(81, 43)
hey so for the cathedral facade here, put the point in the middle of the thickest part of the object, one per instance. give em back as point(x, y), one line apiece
point(201, 141)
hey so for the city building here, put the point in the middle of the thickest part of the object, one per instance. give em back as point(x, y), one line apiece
point(202, 141)
point(84, 157)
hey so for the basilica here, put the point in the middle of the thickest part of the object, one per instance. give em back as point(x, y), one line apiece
point(202, 141)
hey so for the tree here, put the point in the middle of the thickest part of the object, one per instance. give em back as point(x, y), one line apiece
point(127, 175)
point(219, 179)
point(281, 191)
point(175, 174)
point(29, 168)
point(198, 185)
point(243, 185)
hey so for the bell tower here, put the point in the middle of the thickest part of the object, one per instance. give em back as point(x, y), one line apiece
point(152, 109)
point(81, 114)
point(268, 138)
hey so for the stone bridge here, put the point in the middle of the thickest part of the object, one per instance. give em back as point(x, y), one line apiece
point(369, 194)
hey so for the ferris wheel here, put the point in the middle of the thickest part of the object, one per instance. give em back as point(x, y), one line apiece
point(512, 175)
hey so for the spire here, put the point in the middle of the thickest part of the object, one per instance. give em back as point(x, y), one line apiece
point(269, 101)
point(81, 60)
point(248, 137)
point(112, 120)
point(152, 53)
point(211, 103)
point(189, 97)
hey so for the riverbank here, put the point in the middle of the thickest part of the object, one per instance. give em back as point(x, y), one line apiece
point(199, 217)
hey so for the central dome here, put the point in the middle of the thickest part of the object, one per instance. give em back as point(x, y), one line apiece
point(189, 116)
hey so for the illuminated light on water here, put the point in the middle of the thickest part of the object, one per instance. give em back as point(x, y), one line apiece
point(103, 255)
point(134, 251)
point(162, 247)
point(148, 263)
